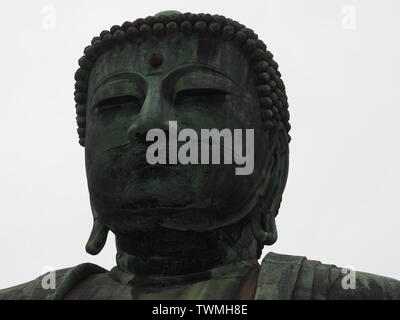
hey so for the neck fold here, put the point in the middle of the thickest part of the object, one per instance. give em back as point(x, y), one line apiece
point(171, 252)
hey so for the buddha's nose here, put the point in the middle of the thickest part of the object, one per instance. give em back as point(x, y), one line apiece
point(154, 114)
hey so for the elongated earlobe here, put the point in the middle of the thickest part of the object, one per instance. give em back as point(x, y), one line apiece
point(97, 239)
point(264, 228)
point(271, 234)
point(98, 236)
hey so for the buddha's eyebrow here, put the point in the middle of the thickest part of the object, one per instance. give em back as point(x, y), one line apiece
point(119, 76)
point(188, 68)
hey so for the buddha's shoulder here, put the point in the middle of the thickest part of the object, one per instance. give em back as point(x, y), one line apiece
point(295, 277)
point(52, 285)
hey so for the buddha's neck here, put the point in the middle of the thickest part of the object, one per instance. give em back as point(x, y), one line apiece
point(169, 252)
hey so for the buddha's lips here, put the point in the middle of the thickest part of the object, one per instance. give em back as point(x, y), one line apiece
point(140, 162)
point(145, 165)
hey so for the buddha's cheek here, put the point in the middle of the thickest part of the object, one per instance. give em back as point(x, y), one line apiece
point(104, 182)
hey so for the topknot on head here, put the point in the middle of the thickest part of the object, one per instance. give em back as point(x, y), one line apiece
point(167, 13)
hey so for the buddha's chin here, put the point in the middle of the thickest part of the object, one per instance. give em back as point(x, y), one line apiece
point(149, 214)
point(184, 199)
point(142, 208)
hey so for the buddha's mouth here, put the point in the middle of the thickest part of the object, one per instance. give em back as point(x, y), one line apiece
point(153, 203)
point(140, 162)
point(142, 165)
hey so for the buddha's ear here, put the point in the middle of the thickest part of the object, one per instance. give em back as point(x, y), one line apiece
point(263, 222)
point(98, 236)
point(279, 170)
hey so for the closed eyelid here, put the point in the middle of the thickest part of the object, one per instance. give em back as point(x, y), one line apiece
point(201, 77)
point(200, 82)
point(117, 88)
point(116, 79)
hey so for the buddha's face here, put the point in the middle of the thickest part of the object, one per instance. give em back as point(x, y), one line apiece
point(200, 84)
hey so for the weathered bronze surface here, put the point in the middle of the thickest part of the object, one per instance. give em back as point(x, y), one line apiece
point(187, 231)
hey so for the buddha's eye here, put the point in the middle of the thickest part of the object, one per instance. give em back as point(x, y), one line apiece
point(201, 95)
point(128, 103)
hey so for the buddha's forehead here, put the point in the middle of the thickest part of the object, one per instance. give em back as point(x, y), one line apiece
point(176, 52)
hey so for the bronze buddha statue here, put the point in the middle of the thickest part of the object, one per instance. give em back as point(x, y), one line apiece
point(187, 231)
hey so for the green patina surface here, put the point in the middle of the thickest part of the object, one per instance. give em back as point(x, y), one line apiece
point(193, 231)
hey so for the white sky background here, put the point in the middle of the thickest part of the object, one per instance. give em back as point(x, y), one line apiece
point(341, 204)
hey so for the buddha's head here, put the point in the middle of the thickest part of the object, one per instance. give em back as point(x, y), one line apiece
point(204, 72)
